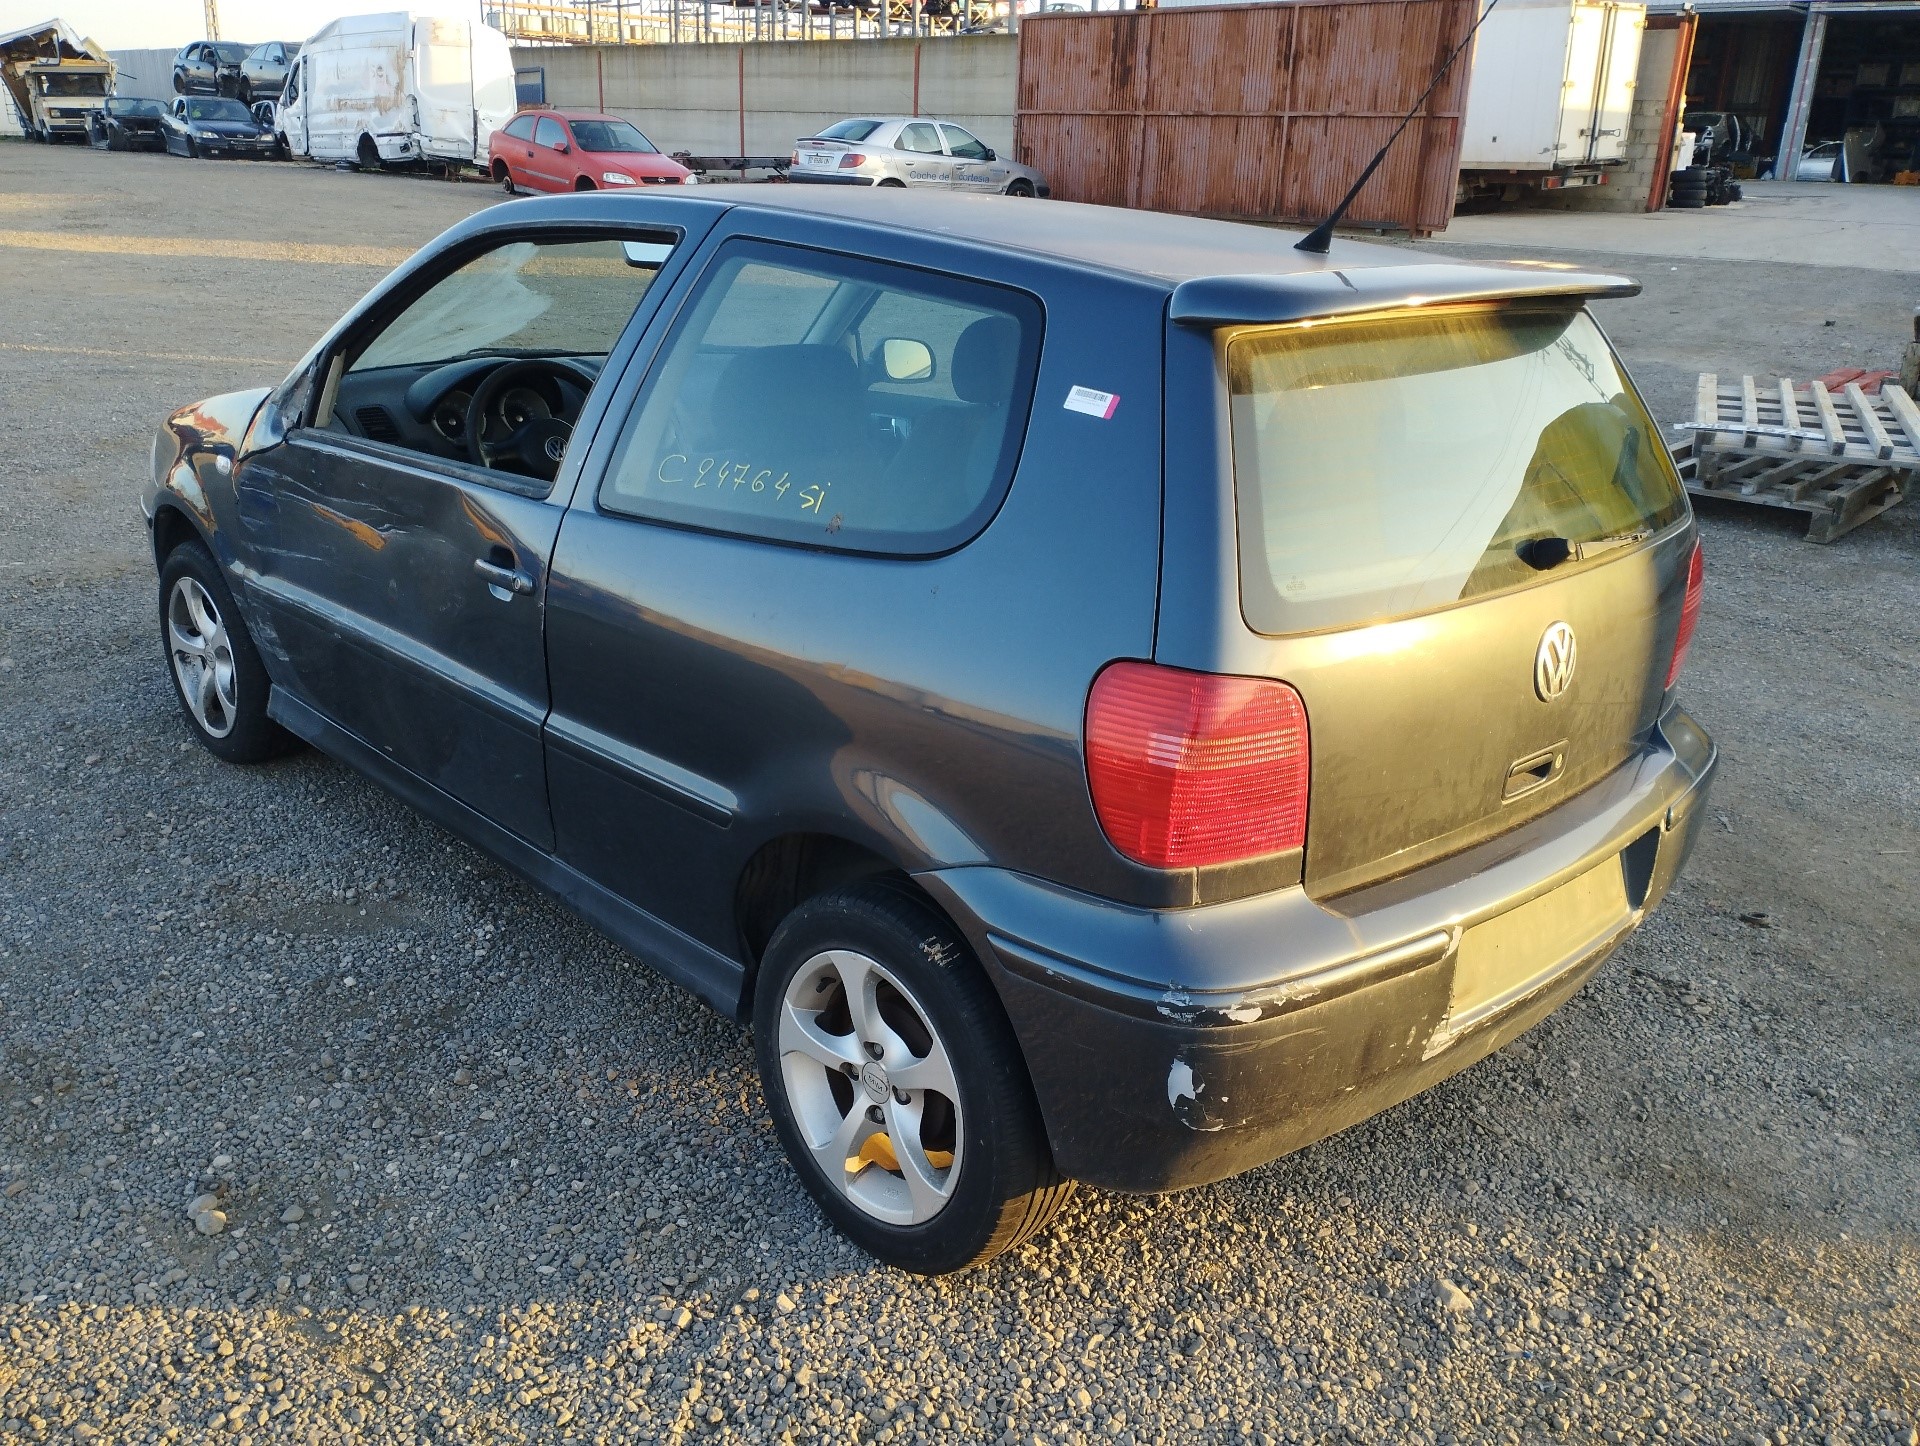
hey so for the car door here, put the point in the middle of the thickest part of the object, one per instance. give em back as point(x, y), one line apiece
point(290, 111)
point(758, 572)
point(927, 163)
point(405, 583)
point(195, 74)
point(547, 162)
point(975, 167)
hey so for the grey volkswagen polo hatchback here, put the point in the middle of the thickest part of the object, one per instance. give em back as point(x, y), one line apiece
point(1108, 697)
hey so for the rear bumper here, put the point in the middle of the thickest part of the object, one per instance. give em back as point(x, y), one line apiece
point(1169, 1048)
point(808, 178)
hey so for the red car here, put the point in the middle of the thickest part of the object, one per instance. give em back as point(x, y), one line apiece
point(553, 150)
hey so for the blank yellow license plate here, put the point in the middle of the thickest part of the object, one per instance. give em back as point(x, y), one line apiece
point(1514, 953)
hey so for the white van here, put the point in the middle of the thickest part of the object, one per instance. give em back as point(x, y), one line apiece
point(397, 87)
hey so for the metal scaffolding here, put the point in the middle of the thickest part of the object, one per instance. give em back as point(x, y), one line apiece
point(673, 22)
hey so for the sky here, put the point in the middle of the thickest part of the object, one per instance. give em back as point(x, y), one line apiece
point(139, 24)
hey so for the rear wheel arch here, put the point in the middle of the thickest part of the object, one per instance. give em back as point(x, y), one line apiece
point(787, 871)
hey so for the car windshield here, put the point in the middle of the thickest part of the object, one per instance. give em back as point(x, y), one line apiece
point(850, 130)
point(231, 54)
point(1392, 466)
point(125, 106)
point(611, 136)
point(73, 85)
point(217, 110)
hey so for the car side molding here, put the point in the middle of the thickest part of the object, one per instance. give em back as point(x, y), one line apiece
point(713, 978)
point(1213, 301)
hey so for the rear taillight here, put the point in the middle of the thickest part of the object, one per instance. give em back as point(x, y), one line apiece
point(1193, 769)
point(852, 159)
point(1689, 613)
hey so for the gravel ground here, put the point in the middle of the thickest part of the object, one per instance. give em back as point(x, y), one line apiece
point(475, 1175)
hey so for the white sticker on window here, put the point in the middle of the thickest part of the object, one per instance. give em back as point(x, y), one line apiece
point(1094, 404)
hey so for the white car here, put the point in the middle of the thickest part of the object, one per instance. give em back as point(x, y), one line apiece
point(908, 151)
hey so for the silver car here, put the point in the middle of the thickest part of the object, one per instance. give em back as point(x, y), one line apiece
point(908, 151)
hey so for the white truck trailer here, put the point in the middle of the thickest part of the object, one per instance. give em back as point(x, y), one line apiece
point(1551, 97)
point(396, 88)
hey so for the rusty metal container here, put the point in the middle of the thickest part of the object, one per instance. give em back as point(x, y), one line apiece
point(1264, 112)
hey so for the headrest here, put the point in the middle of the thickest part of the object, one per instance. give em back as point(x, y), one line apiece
point(984, 358)
point(789, 383)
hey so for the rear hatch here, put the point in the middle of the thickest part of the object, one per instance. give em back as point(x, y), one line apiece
point(823, 152)
point(1462, 535)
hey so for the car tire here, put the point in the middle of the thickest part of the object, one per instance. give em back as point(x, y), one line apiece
point(504, 177)
point(216, 670)
point(193, 151)
point(891, 181)
point(978, 1178)
point(179, 83)
point(1020, 188)
point(244, 94)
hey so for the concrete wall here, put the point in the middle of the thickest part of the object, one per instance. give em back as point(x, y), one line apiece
point(700, 98)
point(1628, 186)
point(144, 74)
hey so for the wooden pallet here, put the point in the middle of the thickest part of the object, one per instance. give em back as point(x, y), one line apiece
point(1841, 458)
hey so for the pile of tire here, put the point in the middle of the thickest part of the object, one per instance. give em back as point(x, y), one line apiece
point(1698, 186)
point(1688, 189)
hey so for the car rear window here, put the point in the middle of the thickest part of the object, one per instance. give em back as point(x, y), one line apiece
point(1390, 466)
point(850, 130)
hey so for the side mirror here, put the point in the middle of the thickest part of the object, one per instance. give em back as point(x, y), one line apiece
point(906, 360)
point(990, 156)
point(561, 146)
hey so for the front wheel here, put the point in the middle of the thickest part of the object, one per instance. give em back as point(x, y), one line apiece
point(896, 1086)
point(217, 673)
point(1020, 188)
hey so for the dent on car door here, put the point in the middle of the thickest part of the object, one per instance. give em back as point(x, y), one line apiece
point(723, 624)
point(405, 583)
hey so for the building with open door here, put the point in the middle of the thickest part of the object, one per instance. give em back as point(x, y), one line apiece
point(1831, 85)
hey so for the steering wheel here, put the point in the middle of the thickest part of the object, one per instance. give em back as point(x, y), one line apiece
point(534, 445)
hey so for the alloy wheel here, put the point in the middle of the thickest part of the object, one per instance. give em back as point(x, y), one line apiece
point(202, 656)
point(871, 1087)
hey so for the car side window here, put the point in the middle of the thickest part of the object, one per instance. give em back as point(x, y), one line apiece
point(920, 137)
point(963, 144)
point(293, 87)
point(549, 132)
point(521, 127)
point(493, 361)
point(832, 402)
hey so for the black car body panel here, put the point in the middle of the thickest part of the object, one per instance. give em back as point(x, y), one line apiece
point(191, 129)
point(128, 125)
point(674, 728)
point(208, 67)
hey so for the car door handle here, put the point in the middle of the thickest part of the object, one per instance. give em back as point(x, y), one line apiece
point(510, 578)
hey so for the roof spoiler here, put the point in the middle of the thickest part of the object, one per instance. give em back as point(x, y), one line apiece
point(1211, 301)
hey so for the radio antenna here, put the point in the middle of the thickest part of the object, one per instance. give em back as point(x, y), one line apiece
point(1321, 237)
